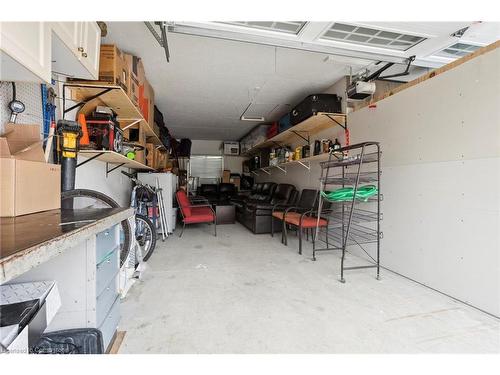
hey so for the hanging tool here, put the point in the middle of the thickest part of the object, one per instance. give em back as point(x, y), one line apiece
point(51, 114)
point(69, 134)
point(16, 106)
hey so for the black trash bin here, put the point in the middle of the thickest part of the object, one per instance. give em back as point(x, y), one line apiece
point(70, 341)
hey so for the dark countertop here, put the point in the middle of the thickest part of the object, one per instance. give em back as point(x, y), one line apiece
point(43, 235)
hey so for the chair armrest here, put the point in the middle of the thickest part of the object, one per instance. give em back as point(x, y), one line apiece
point(198, 199)
point(200, 205)
point(281, 206)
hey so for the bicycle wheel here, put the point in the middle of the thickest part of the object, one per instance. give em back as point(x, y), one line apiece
point(85, 198)
point(145, 234)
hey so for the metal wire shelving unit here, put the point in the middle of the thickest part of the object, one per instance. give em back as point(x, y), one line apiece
point(353, 222)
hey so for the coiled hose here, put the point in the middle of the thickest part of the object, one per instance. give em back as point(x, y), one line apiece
point(346, 194)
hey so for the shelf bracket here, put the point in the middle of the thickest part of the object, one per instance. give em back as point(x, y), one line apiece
point(281, 169)
point(297, 133)
point(81, 103)
point(134, 121)
point(266, 171)
point(89, 159)
point(306, 166)
point(338, 123)
point(108, 171)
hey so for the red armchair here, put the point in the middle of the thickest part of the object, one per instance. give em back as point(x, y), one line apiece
point(199, 212)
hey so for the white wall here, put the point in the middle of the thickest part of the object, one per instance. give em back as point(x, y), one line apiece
point(207, 147)
point(441, 180)
point(92, 176)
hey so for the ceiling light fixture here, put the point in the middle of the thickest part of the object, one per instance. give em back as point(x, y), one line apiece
point(253, 119)
point(371, 37)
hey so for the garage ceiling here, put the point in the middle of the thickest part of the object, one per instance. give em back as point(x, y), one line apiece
point(210, 82)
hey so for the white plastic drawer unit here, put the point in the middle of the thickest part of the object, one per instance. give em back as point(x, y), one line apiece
point(105, 300)
point(107, 270)
point(110, 324)
point(106, 241)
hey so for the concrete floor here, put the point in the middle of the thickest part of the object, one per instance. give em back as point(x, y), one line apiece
point(245, 293)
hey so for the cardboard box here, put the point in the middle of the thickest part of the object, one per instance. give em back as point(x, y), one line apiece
point(150, 95)
point(133, 81)
point(112, 66)
point(147, 101)
point(27, 183)
point(141, 73)
point(160, 159)
point(150, 155)
point(133, 89)
point(226, 176)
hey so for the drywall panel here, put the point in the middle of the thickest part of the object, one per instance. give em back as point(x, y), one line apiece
point(206, 147)
point(441, 179)
point(92, 176)
point(441, 227)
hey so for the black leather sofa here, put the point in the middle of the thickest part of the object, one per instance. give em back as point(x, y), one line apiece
point(216, 194)
point(255, 210)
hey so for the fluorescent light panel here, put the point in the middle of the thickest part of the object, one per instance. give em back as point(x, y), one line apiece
point(371, 37)
point(288, 27)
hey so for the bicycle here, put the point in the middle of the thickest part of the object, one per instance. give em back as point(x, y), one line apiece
point(87, 198)
point(142, 198)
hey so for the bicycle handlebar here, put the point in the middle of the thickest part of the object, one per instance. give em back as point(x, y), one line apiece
point(138, 182)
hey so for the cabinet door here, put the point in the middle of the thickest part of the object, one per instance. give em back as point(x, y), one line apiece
point(69, 33)
point(25, 51)
point(91, 43)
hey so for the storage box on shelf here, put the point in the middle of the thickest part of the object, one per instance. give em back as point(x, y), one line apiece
point(308, 127)
point(112, 67)
point(133, 81)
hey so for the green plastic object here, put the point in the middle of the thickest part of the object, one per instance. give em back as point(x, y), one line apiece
point(346, 194)
point(131, 155)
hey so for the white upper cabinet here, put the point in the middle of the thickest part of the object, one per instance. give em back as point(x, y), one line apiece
point(75, 49)
point(25, 51)
point(31, 51)
point(91, 43)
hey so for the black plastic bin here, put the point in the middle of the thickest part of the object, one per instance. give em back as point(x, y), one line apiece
point(70, 341)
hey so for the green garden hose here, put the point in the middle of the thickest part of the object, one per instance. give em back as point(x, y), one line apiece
point(346, 194)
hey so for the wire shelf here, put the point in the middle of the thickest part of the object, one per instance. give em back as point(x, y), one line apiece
point(358, 235)
point(339, 218)
point(345, 217)
point(351, 160)
point(350, 178)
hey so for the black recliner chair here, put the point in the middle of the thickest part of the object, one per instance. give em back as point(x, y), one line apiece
point(209, 191)
point(257, 214)
point(216, 194)
point(226, 192)
point(261, 192)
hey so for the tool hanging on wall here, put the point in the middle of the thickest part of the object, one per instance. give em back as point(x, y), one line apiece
point(69, 134)
point(49, 117)
point(16, 106)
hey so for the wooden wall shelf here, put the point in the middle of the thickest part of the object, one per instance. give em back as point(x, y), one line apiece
point(92, 94)
point(112, 157)
point(310, 126)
